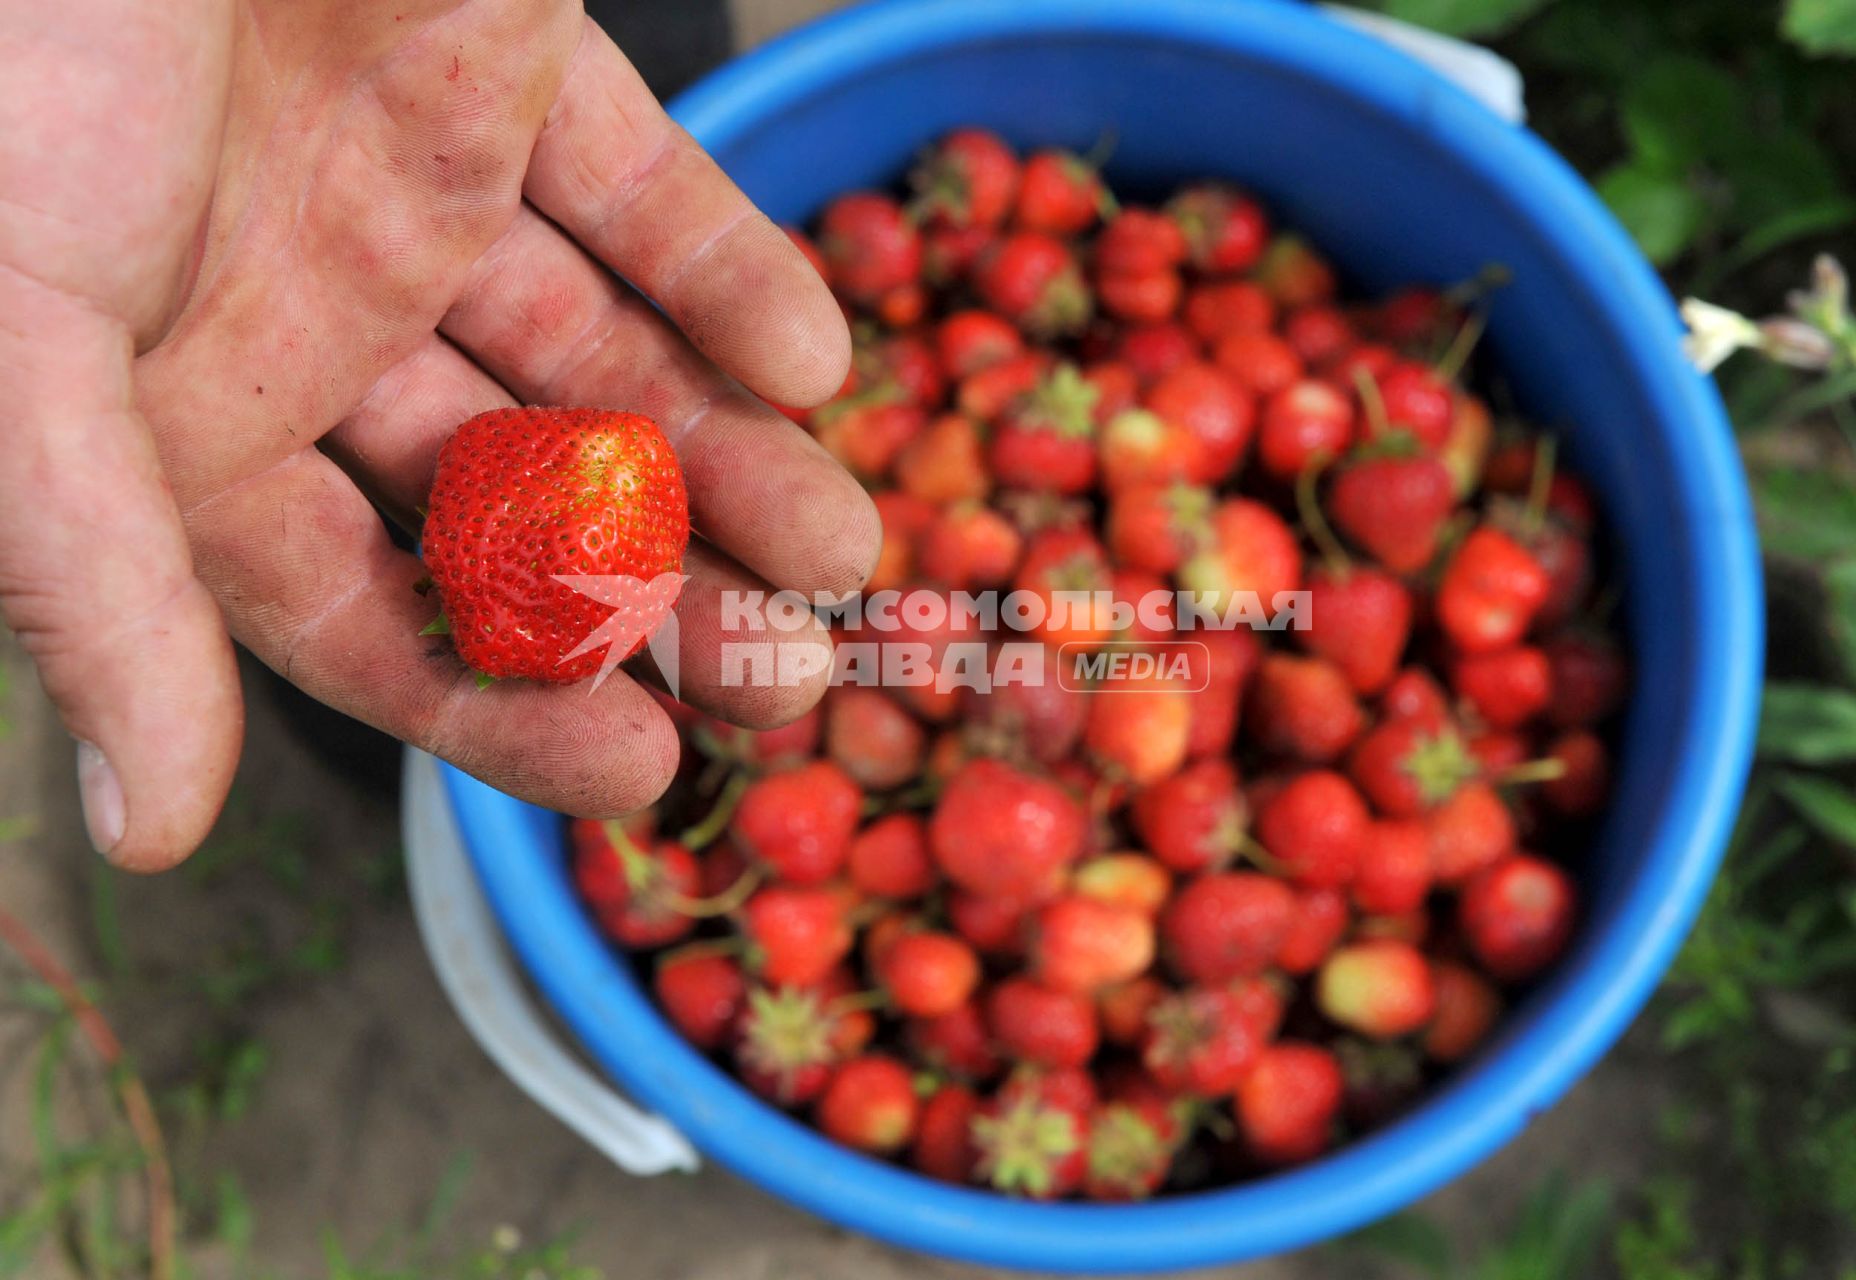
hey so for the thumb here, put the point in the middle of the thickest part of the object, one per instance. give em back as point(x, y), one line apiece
point(97, 580)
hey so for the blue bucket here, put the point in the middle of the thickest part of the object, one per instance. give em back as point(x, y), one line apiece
point(1401, 177)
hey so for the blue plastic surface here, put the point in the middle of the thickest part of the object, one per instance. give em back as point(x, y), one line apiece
point(1401, 177)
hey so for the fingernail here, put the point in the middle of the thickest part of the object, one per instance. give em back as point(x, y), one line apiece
point(104, 814)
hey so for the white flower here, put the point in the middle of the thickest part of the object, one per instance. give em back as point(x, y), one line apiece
point(1714, 333)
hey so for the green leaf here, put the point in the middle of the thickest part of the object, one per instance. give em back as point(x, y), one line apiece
point(1821, 26)
point(1840, 605)
point(1662, 211)
point(1805, 514)
point(1407, 1239)
point(1464, 17)
point(1807, 724)
point(439, 626)
point(1682, 111)
point(1823, 802)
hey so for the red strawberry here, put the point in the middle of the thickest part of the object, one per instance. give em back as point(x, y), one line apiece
point(1587, 678)
point(1117, 388)
point(1138, 729)
point(1219, 309)
point(1414, 695)
point(1318, 334)
point(1580, 791)
point(1303, 708)
point(1417, 401)
point(969, 342)
point(1251, 555)
point(1034, 281)
point(956, 1042)
point(928, 974)
point(790, 1039)
point(870, 245)
point(866, 432)
point(1154, 350)
point(1040, 1025)
point(1225, 925)
point(765, 748)
point(601, 492)
point(1409, 764)
point(1140, 449)
point(1259, 362)
point(906, 361)
point(800, 822)
point(640, 895)
point(1344, 371)
point(967, 179)
point(1132, 881)
point(1294, 274)
point(1035, 720)
point(948, 253)
point(799, 931)
point(1225, 231)
point(1314, 827)
point(1303, 422)
point(1320, 920)
point(1395, 868)
point(1046, 440)
point(1411, 316)
point(1467, 1007)
point(1136, 241)
point(969, 547)
point(944, 463)
point(1082, 944)
point(904, 516)
point(1123, 1010)
point(1517, 916)
point(1358, 619)
point(1206, 401)
point(995, 926)
point(1140, 298)
point(1508, 687)
point(1154, 616)
point(1029, 1143)
point(1490, 592)
point(1393, 508)
point(944, 1135)
point(1287, 1104)
point(1380, 988)
point(1067, 560)
point(1001, 833)
point(870, 1105)
point(1499, 750)
point(1467, 832)
point(702, 993)
point(1194, 820)
point(1130, 1150)
point(1203, 1041)
point(1059, 193)
point(1222, 663)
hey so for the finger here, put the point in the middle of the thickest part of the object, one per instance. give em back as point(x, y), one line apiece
point(550, 324)
point(627, 182)
point(96, 579)
point(737, 657)
point(311, 582)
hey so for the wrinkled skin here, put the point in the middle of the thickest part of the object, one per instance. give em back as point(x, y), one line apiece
point(256, 260)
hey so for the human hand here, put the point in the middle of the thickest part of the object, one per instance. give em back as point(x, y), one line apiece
point(255, 263)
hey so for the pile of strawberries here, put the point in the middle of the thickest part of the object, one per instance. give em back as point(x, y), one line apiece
point(1058, 941)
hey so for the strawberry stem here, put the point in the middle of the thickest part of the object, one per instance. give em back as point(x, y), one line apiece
point(1338, 562)
point(1540, 485)
point(1378, 425)
point(644, 876)
point(1462, 346)
point(858, 1002)
point(1546, 769)
point(704, 833)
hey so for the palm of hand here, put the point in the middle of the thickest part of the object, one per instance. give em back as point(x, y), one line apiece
point(409, 220)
